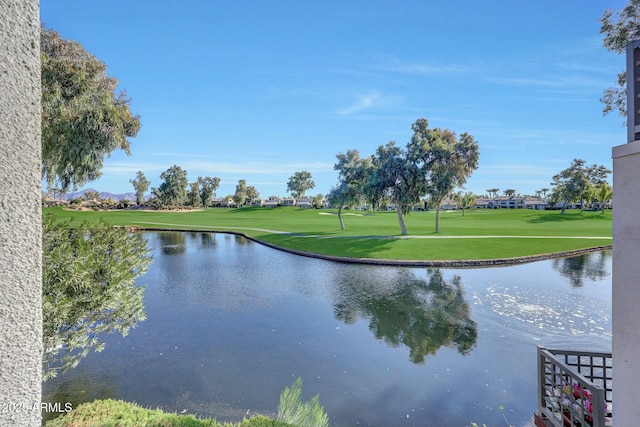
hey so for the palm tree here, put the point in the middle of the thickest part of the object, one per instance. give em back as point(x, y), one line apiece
point(544, 192)
point(493, 192)
point(509, 192)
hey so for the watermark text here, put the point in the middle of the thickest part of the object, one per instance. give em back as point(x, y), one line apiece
point(17, 407)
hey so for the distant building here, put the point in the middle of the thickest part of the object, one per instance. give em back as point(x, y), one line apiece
point(482, 203)
point(448, 204)
point(535, 203)
point(305, 203)
point(271, 202)
point(511, 202)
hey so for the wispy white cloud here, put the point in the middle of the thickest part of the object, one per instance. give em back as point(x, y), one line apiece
point(493, 132)
point(581, 66)
point(170, 154)
point(520, 170)
point(551, 81)
point(127, 168)
point(568, 64)
point(363, 102)
point(200, 167)
point(422, 68)
point(256, 167)
point(367, 101)
point(498, 147)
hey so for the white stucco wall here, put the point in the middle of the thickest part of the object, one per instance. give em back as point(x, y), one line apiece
point(626, 284)
point(20, 214)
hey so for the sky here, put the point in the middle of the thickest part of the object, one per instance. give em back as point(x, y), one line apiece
point(258, 90)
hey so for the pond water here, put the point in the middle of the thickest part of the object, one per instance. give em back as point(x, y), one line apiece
point(231, 323)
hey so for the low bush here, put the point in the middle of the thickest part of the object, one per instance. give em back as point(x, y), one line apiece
point(293, 410)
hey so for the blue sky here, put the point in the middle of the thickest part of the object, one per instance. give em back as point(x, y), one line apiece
point(258, 90)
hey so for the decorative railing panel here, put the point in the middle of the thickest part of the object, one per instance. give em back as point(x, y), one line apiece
point(575, 388)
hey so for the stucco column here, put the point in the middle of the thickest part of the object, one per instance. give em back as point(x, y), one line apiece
point(626, 284)
point(20, 214)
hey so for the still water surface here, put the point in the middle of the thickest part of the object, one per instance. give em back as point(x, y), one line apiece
point(231, 323)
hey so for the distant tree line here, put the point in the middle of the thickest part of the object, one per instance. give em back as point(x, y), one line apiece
point(176, 191)
point(579, 183)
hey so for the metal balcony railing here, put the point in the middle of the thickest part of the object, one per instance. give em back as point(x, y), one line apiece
point(574, 388)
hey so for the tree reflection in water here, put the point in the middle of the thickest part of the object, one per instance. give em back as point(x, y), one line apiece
point(422, 314)
point(592, 266)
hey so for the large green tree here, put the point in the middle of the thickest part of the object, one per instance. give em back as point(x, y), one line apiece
point(444, 160)
point(140, 185)
point(618, 32)
point(193, 196)
point(173, 191)
point(88, 288)
point(577, 181)
point(208, 187)
point(83, 118)
point(252, 193)
point(399, 177)
point(352, 179)
point(299, 183)
point(240, 196)
point(88, 271)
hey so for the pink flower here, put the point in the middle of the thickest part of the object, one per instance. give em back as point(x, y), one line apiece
point(577, 391)
point(588, 406)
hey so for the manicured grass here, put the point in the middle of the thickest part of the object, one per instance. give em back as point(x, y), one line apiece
point(116, 413)
point(371, 234)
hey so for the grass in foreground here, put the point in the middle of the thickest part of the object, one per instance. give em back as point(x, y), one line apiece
point(117, 413)
point(292, 412)
point(474, 236)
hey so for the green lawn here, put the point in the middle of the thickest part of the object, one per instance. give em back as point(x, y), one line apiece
point(474, 236)
point(116, 413)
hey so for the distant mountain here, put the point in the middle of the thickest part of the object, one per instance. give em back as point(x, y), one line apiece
point(103, 195)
